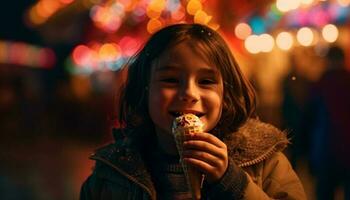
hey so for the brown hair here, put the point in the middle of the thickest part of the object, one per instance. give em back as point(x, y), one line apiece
point(239, 97)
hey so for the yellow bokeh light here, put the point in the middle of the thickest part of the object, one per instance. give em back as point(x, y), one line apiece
point(152, 13)
point(242, 31)
point(201, 17)
point(157, 5)
point(330, 33)
point(284, 40)
point(34, 18)
point(252, 44)
point(109, 52)
point(266, 42)
point(193, 6)
point(153, 25)
point(305, 36)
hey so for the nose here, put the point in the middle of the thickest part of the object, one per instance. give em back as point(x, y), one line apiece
point(188, 92)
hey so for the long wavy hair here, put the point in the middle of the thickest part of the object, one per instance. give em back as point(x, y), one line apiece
point(239, 100)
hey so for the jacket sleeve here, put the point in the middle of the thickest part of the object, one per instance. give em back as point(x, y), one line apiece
point(231, 185)
point(279, 181)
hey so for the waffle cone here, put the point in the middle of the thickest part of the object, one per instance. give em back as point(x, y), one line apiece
point(193, 176)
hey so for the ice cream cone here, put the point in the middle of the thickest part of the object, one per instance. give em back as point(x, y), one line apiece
point(188, 124)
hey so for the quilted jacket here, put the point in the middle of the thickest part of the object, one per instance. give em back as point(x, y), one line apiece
point(254, 155)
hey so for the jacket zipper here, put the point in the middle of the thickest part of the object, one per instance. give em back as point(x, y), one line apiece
point(125, 174)
point(260, 158)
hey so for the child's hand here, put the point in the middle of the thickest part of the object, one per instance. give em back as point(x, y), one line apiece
point(208, 154)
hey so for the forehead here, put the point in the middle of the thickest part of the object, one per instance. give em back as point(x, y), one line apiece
point(185, 54)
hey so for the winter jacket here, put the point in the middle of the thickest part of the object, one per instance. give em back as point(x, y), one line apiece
point(254, 156)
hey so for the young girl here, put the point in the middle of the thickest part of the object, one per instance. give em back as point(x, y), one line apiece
point(188, 68)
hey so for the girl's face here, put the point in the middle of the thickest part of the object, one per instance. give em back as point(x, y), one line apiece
point(184, 81)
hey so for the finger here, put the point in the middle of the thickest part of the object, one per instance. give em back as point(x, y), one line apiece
point(207, 137)
point(203, 156)
point(211, 172)
point(206, 147)
point(202, 166)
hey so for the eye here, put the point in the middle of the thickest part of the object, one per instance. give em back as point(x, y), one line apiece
point(207, 81)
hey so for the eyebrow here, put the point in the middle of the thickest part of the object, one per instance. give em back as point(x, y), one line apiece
point(209, 71)
point(167, 68)
point(177, 68)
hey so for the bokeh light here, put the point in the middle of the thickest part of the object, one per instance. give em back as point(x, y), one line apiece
point(81, 54)
point(151, 13)
point(108, 17)
point(266, 42)
point(193, 6)
point(201, 17)
point(305, 36)
point(40, 12)
point(23, 54)
point(258, 25)
point(242, 31)
point(109, 52)
point(344, 3)
point(306, 2)
point(252, 44)
point(153, 25)
point(287, 5)
point(284, 40)
point(129, 46)
point(330, 33)
point(157, 5)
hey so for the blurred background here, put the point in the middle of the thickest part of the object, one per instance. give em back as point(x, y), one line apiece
point(60, 66)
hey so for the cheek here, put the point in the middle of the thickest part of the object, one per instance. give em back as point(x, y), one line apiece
point(159, 100)
point(157, 97)
point(218, 106)
point(214, 104)
point(219, 101)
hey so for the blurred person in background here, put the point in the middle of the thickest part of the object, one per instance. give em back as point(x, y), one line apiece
point(296, 87)
point(329, 127)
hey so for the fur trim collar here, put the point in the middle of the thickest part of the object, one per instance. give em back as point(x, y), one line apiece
point(254, 142)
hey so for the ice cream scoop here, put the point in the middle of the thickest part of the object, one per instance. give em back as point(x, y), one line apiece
point(188, 124)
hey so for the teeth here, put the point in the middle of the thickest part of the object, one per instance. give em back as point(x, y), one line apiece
point(177, 114)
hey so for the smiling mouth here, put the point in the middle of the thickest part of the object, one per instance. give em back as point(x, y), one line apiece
point(177, 114)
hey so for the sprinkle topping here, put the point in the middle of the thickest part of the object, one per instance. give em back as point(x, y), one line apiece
point(187, 120)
